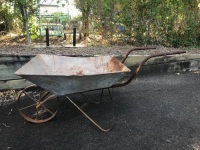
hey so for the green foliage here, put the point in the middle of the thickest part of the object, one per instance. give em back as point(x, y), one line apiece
point(60, 18)
point(6, 17)
point(172, 23)
point(33, 28)
point(165, 22)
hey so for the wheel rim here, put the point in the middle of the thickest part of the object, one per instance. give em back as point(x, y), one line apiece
point(36, 105)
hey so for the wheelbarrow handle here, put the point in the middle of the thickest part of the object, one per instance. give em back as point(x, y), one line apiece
point(136, 49)
point(142, 63)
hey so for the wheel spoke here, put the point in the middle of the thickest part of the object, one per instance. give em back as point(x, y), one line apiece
point(38, 93)
point(29, 96)
point(48, 99)
point(47, 109)
point(44, 95)
point(27, 107)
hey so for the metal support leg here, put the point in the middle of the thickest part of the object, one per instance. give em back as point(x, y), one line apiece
point(90, 100)
point(90, 119)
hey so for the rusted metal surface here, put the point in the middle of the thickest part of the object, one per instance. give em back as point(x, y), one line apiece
point(66, 75)
point(136, 49)
point(142, 63)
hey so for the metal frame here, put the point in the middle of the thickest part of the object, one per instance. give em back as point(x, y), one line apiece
point(46, 16)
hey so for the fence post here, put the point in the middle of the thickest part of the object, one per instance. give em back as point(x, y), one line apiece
point(74, 36)
point(47, 36)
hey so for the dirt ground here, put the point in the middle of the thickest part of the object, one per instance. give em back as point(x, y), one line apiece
point(16, 45)
point(19, 49)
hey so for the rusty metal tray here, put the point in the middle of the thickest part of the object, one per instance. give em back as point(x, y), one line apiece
point(64, 75)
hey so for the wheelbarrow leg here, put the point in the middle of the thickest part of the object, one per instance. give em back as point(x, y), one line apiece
point(90, 100)
point(90, 119)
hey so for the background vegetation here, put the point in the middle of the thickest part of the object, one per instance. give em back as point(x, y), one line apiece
point(172, 23)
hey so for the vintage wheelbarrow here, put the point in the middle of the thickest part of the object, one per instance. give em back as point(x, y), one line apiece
point(55, 76)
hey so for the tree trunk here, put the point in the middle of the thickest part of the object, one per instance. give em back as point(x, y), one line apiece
point(86, 14)
point(21, 7)
point(25, 21)
point(86, 25)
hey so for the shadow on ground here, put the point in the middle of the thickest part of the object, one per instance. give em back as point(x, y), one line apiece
point(153, 112)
